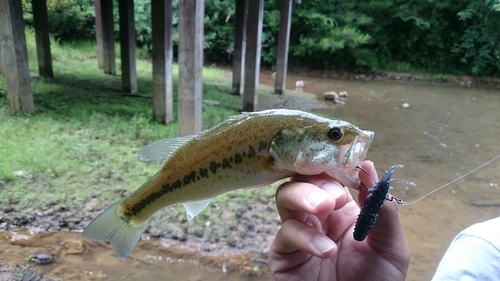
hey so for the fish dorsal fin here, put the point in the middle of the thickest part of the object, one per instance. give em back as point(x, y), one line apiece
point(158, 152)
point(193, 208)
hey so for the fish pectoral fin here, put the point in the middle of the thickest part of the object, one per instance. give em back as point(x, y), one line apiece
point(159, 151)
point(193, 208)
point(285, 147)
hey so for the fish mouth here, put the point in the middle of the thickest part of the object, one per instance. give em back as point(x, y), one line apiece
point(356, 153)
point(352, 157)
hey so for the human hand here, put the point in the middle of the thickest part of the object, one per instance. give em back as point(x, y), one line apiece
point(316, 241)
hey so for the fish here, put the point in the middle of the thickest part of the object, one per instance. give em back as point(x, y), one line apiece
point(247, 150)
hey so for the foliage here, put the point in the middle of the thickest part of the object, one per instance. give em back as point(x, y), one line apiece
point(458, 37)
point(68, 19)
point(219, 30)
point(325, 30)
point(143, 22)
point(445, 36)
point(479, 47)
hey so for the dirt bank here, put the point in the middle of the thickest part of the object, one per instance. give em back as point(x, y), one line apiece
point(459, 80)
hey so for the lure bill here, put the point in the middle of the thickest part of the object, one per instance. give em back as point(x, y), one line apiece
point(247, 150)
point(374, 202)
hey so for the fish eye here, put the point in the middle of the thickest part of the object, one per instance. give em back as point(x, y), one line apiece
point(335, 133)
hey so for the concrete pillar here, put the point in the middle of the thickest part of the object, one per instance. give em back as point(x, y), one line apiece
point(41, 23)
point(283, 40)
point(127, 45)
point(2, 71)
point(252, 57)
point(108, 38)
point(240, 26)
point(191, 14)
point(15, 57)
point(98, 33)
point(161, 15)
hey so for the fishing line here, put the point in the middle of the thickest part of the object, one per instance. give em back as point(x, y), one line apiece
point(453, 181)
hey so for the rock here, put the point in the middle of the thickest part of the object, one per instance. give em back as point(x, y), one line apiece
point(211, 102)
point(330, 96)
point(21, 273)
point(231, 242)
point(20, 173)
point(42, 258)
point(339, 102)
point(73, 246)
point(333, 96)
point(405, 105)
point(299, 84)
point(260, 260)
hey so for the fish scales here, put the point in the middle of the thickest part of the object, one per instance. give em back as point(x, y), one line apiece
point(245, 154)
point(248, 150)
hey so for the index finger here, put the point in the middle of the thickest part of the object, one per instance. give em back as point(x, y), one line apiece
point(317, 195)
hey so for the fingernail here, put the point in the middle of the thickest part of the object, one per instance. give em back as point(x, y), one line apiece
point(315, 198)
point(334, 190)
point(323, 244)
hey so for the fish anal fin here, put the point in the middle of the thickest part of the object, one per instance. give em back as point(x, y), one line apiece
point(193, 208)
point(122, 234)
point(159, 151)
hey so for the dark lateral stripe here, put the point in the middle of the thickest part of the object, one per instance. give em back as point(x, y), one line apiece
point(251, 151)
point(203, 173)
point(192, 177)
point(262, 146)
point(238, 158)
point(214, 166)
point(134, 210)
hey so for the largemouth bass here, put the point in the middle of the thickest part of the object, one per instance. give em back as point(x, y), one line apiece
point(247, 150)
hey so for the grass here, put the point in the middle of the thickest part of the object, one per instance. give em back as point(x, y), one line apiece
point(419, 73)
point(83, 138)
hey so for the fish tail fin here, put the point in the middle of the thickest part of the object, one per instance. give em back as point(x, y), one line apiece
point(120, 232)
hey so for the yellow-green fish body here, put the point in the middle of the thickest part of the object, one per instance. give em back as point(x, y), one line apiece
point(247, 150)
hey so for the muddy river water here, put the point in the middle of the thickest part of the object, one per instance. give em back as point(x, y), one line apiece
point(445, 132)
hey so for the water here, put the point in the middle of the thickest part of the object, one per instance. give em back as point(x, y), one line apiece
point(446, 132)
point(75, 258)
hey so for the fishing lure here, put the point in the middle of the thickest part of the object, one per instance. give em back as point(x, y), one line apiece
point(374, 201)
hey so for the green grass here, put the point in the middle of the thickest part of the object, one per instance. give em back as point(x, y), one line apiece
point(83, 138)
point(416, 73)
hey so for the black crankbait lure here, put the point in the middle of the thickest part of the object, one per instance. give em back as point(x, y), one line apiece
point(374, 201)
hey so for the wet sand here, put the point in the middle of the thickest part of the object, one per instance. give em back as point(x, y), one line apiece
point(74, 258)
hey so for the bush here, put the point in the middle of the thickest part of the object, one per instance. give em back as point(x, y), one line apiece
point(445, 36)
point(68, 19)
